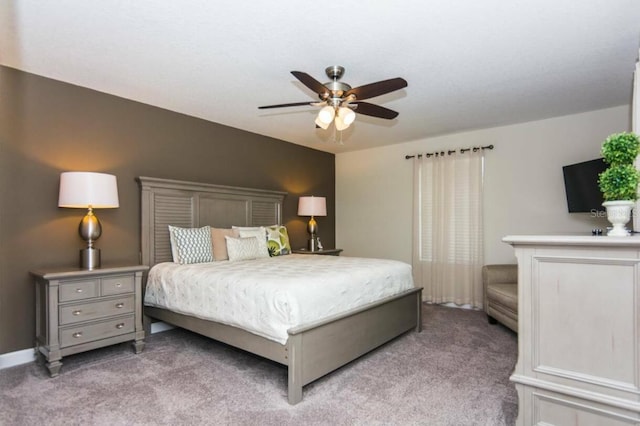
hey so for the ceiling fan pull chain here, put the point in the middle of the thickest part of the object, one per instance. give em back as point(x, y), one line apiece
point(337, 136)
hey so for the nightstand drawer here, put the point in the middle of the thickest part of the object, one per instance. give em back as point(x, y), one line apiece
point(71, 314)
point(117, 285)
point(71, 336)
point(77, 290)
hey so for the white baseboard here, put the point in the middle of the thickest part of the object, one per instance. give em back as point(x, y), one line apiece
point(12, 359)
point(25, 356)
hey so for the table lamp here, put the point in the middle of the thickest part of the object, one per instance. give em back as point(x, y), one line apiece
point(88, 190)
point(312, 206)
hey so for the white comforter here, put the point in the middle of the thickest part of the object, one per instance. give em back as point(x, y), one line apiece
point(269, 296)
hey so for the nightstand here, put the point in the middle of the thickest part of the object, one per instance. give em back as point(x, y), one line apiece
point(326, 252)
point(79, 310)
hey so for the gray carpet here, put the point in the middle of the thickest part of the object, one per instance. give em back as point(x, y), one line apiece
point(453, 373)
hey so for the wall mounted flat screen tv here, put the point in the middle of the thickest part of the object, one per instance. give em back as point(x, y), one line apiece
point(581, 186)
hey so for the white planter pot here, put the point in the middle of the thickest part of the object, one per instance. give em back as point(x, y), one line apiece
point(619, 213)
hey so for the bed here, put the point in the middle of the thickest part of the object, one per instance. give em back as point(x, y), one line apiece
point(311, 349)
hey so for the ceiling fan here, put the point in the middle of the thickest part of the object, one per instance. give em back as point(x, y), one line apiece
point(339, 101)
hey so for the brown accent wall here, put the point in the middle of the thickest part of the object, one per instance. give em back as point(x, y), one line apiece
point(47, 127)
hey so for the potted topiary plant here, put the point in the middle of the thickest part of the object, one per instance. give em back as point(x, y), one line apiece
point(619, 182)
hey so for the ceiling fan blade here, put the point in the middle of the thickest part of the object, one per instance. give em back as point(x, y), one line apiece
point(286, 105)
point(378, 88)
point(311, 83)
point(365, 108)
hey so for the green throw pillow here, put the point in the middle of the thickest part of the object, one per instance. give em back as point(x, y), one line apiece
point(278, 240)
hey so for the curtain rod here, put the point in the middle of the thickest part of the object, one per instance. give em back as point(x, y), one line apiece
point(451, 151)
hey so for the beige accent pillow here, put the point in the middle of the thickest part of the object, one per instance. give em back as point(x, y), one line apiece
point(219, 242)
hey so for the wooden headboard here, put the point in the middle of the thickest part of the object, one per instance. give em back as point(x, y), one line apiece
point(191, 204)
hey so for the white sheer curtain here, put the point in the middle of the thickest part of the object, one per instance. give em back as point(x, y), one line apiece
point(447, 224)
point(635, 128)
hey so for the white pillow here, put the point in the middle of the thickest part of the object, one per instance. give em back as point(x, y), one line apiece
point(191, 245)
point(260, 232)
point(243, 248)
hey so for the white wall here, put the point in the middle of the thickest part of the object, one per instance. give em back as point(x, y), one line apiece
point(524, 187)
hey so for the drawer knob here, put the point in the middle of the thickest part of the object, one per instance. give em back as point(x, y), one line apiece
point(118, 284)
point(79, 290)
point(119, 305)
point(77, 334)
point(119, 326)
point(76, 313)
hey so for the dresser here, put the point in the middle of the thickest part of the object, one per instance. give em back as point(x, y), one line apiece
point(578, 330)
point(79, 310)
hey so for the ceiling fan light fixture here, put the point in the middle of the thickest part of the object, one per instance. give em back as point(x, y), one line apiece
point(346, 115)
point(338, 99)
point(340, 124)
point(321, 123)
point(326, 115)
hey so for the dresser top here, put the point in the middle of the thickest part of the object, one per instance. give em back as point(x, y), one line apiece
point(573, 240)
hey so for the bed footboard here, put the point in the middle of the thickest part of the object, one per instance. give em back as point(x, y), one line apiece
point(314, 350)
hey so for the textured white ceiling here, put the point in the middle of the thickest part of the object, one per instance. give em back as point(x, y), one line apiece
point(469, 63)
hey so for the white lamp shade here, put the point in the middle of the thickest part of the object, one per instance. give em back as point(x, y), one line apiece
point(322, 124)
point(88, 189)
point(347, 115)
point(312, 206)
point(340, 125)
point(326, 114)
point(344, 118)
